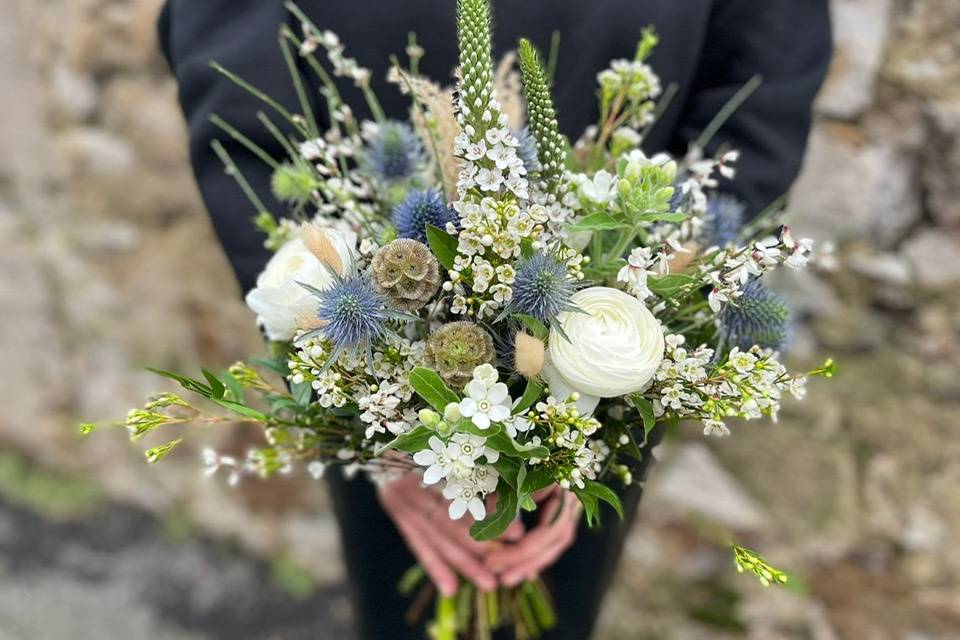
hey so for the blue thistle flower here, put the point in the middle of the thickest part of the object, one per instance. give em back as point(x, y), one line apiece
point(352, 313)
point(419, 209)
point(759, 317)
point(394, 152)
point(542, 288)
point(528, 151)
point(723, 220)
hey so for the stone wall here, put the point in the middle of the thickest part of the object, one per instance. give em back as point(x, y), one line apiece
point(109, 264)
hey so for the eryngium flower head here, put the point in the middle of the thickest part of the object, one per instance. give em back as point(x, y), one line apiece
point(351, 313)
point(394, 152)
point(293, 183)
point(542, 288)
point(722, 221)
point(406, 273)
point(759, 317)
point(456, 349)
point(527, 151)
point(419, 209)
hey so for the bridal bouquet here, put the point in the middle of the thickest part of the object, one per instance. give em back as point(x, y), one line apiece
point(468, 296)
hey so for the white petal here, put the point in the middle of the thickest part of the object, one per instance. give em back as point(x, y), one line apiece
point(468, 407)
point(433, 475)
point(457, 508)
point(492, 455)
point(481, 420)
point(477, 390)
point(499, 413)
point(497, 393)
point(436, 444)
point(477, 509)
point(425, 458)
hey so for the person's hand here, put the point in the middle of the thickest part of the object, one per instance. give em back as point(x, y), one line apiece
point(541, 546)
point(442, 546)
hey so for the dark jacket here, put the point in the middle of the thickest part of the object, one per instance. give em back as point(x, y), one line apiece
point(710, 48)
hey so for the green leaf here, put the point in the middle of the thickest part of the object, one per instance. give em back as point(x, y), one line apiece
point(670, 284)
point(534, 326)
point(302, 393)
point(430, 386)
point(591, 508)
point(645, 407)
point(530, 395)
point(187, 383)
point(597, 222)
point(274, 365)
point(411, 442)
point(509, 470)
point(233, 385)
point(527, 503)
point(605, 493)
point(443, 245)
point(242, 410)
point(217, 388)
point(503, 443)
point(496, 523)
point(662, 217)
point(537, 478)
point(467, 425)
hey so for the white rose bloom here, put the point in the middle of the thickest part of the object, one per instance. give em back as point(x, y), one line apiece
point(615, 346)
point(278, 300)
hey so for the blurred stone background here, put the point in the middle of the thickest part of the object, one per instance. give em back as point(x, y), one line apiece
point(109, 264)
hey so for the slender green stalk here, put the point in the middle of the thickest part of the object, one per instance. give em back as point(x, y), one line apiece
point(332, 95)
point(305, 106)
point(372, 102)
point(661, 108)
point(483, 627)
point(553, 58)
point(277, 134)
point(493, 609)
point(257, 93)
point(446, 621)
point(233, 171)
point(621, 246)
point(252, 146)
point(728, 110)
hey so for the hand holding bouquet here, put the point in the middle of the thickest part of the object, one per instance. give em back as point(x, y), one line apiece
point(469, 298)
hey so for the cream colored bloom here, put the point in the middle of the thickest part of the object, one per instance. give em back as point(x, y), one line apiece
point(278, 300)
point(615, 345)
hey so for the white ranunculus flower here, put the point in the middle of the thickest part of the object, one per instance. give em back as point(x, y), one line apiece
point(615, 345)
point(278, 300)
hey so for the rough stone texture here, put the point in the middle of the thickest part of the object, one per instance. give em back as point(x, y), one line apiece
point(861, 28)
point(109, 264)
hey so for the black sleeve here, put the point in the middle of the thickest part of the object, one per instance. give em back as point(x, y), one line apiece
point(788, 43)
point(242, 36)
